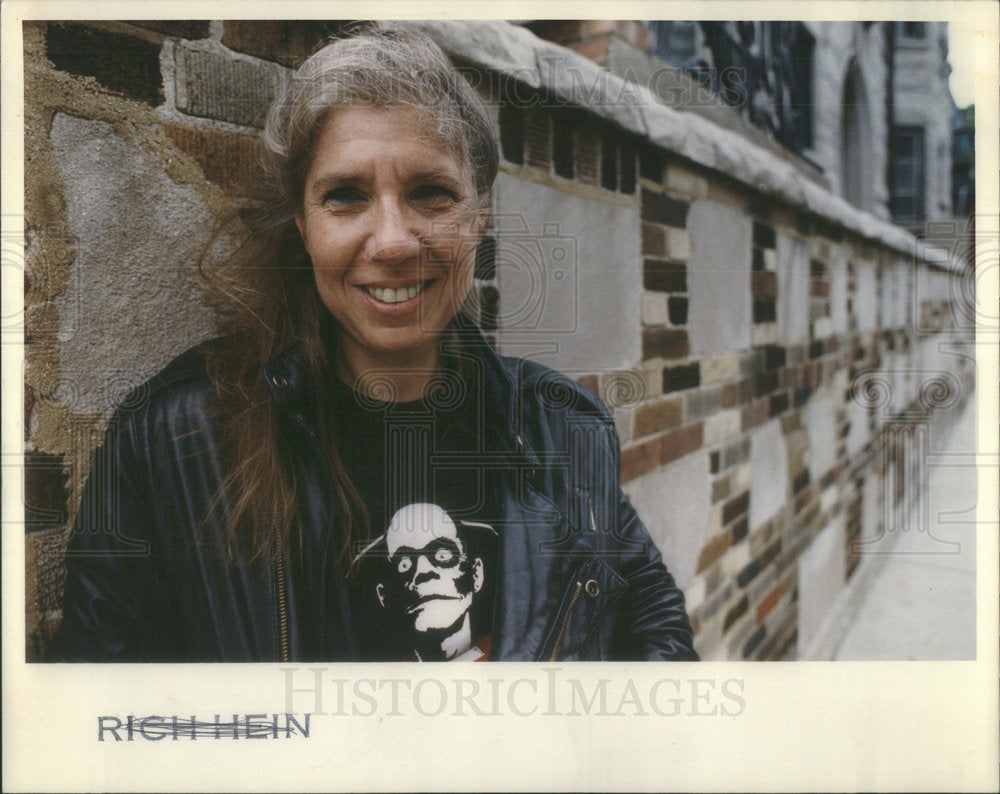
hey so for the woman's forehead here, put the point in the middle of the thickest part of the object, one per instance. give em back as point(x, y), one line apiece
point(389, 123)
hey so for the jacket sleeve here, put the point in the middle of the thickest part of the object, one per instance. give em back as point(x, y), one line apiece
point(653, 623)
point(108, 571)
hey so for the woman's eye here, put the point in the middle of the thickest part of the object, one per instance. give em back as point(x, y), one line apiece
point(404, 565)
point(434, 194)
point(342, 195)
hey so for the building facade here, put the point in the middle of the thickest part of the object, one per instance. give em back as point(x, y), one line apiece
point(866, 103)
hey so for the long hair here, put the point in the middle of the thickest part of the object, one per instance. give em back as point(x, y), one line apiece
point(265, 293)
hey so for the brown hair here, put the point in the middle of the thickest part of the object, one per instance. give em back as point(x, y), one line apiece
point(265, 294)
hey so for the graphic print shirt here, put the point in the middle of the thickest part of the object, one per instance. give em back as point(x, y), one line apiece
point(423, 582)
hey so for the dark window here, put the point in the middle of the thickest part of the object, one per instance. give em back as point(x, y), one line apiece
point(675, 41)
point(907, 152)
point(512, 133)
point(562, 145)
point(764, 70)
point(911, 30)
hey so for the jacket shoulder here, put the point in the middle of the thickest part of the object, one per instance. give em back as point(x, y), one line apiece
point(183, 379)
point(554, 390)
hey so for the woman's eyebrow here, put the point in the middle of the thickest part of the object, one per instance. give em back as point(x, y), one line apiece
point(339, 178)
point(335, 179)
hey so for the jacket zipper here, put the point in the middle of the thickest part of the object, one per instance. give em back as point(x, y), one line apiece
point(279, 570)
point(578, 588)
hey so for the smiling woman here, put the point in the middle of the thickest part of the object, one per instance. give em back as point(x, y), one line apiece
point(350, 472)
point(390, 223)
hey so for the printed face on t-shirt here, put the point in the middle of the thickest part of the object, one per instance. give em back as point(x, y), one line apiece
point(431, 577)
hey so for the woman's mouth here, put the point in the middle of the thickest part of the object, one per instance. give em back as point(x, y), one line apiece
point(391, 295)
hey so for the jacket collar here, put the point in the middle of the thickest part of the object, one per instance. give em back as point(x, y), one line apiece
point(288, 378)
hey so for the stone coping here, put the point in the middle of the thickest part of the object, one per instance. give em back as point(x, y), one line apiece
point(516, 52)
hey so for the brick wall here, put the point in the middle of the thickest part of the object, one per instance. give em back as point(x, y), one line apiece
point(762, 357)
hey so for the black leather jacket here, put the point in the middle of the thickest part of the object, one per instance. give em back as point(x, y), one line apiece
point(579, 578)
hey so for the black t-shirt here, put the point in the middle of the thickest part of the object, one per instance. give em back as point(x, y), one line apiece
point(423, 580)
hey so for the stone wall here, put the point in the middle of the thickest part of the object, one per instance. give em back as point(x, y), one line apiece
point(757, 339)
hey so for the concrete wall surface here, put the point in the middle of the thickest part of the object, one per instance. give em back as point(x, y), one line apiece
point(761, 345)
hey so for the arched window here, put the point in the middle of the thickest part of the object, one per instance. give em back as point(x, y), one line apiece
point(855, 141)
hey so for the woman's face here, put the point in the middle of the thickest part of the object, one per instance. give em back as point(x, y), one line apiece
point(388, 218)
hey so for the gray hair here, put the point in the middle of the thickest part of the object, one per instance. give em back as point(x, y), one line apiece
point(381, 67)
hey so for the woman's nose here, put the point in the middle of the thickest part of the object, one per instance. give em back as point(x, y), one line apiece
point(395, 236)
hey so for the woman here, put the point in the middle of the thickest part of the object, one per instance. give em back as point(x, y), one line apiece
point(350, 472)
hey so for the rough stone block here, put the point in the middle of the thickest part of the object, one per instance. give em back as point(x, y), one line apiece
point(737, 393)
point(138, 235)
point(654, 240)
point(768, 602)
point(175, 28)
point(704, 402)
point(721, 426)
point(285, 41)
point(694, 594)
point(764, 334)
point(624, 419)
point(229, 160)
point(769, 473)
point(680, 378)
point(681, 442)
point(637, 459)
point(735, 507)
point(664, 276)
point(721, 488)
point(678, 244)
point(721, 367)
point(658, 416)
point(664, 343)
point(46, 494)
point(718, 279)
point(658, 208)
point(213, 86)
point(734, 613)
point(127, 65)
point(737, 562)
point(44, 552)
point(713, 550)
point(735, 453)
point(755, 413)
point(742, 477)
point(654, 308)
point(677, 310)
point(681, 180)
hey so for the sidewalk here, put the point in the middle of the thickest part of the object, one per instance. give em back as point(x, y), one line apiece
point(919, 601)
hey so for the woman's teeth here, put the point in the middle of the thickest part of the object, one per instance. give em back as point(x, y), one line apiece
point(389, 295)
